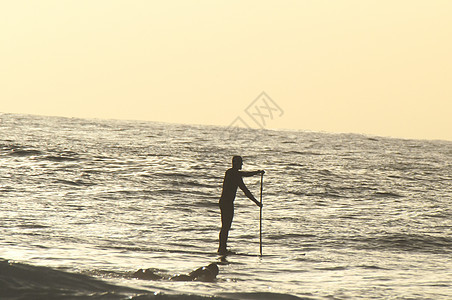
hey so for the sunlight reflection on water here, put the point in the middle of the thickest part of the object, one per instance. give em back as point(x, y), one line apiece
point(344, 215)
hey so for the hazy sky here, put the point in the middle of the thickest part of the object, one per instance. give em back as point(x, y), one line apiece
point(377, 67)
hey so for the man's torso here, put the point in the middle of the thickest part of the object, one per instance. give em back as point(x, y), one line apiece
point(230, 184)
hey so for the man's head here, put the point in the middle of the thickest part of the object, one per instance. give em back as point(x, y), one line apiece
point(213, 268)
point(237, 162)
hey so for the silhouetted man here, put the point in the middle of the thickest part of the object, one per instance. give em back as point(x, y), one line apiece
point(232, 180)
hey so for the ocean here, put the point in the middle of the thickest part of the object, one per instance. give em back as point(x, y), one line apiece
point(86, 203)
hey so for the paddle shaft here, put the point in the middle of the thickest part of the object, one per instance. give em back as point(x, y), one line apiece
point(260, 219)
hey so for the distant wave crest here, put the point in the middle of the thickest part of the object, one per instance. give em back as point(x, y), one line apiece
point(408, 242)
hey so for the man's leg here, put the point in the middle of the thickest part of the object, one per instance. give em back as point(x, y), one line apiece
point(227, 213)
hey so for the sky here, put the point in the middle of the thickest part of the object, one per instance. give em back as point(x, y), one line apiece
point(377, 67)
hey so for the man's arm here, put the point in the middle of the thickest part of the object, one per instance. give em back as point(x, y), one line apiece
point(247, 192)
point(249, 174)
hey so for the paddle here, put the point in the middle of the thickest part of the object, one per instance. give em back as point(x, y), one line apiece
point(260, 219)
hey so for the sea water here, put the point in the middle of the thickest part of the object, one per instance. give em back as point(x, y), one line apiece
point(85, 203)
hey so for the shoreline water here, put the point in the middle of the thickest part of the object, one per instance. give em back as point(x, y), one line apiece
point(105, 198)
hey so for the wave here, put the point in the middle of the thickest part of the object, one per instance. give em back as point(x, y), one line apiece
point(303, 153)
point(6, 189)
point(407, 242)
point(57, 157)
point(73, 183)
point(21, 153)
point(336, 268)
point(198, 184)
point(372, 267)
point(326, 172)
point(22, 281)
point(165, 192)
point(324, 195)
point(60, 158)
point(207, 203)
point(387, 195)
point(284, 236)
point(172, 174)
point(33, 226)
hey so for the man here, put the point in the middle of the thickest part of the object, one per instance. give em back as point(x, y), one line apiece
point(232, 180)
point(206, 274)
